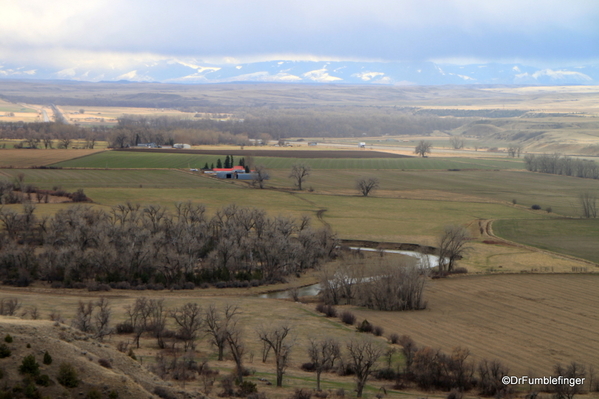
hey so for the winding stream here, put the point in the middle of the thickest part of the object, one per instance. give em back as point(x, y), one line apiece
point(425, 260)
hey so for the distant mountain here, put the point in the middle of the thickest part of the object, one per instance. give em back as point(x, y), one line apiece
point(382, 73)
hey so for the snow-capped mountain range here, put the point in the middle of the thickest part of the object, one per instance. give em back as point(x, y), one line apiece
point(344, 72)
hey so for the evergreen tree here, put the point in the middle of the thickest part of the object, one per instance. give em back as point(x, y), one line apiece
point(212, 165)
point(232, 163)
point(205, 166)
point(219, 164)
point(241, 161)
point(227, 162)
point(247, 169)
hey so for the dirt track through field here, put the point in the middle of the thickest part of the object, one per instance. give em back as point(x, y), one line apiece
point(277, 153)
point(528, 322)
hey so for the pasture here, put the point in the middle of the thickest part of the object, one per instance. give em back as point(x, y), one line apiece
point(574, 237)
point(10, 158)
point(138, 159)
point(528, 322)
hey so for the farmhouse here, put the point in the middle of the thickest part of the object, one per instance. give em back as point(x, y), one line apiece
point(181, 146)
point(236, 172)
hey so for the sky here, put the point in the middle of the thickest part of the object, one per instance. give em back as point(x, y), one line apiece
point(63, 33)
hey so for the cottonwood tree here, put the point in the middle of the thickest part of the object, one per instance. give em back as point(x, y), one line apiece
point(490, 374)
point(102, 318)
point(83, 317)
point(138, 317)
point(423, 148)
point(588, 204)
point(260, 176)
point(299, 173)
point(362, 353)
point(218, 325)
point(278, 340)
point(452, 246)
point(189, 320)
point(323, 354)
point(573, 370)
point(365, 185)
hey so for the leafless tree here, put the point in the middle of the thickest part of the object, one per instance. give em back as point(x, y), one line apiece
point(490, 374)
point(299, 173)
point(277, 338)
point(323, 354)
point(234, 338)
point(9, 306)
point(457, 142)
point(217, 325)
point(102, 318)
point(83, 317)
point(568, 391)
point(588, 204)
point(366, 185)
point(452, 246)
point(34, 312)
point(189, 319)
point(138, 316)
point(423, 148)
point(157, 320)
point(260, 176)
point(363, 354)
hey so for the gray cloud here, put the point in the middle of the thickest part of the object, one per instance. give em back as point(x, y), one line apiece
point(548, 31)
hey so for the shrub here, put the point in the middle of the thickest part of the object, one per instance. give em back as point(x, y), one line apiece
point(8, 338)
point(4, 351)
point(93, 394)
point(301, 394)
point(47, 358)
point(348, 318)
point(535, 207)
point(378, 330)
point(67, 376)
point(43, 380)
point(246, 388)
point(29, 366)
point(124, 328)
point(113, 395)
point(548, 209)
point(365, 326)
point(309, 367)
point(105, 363)
point(385, 374)
point(394, 338)
point(327, 310)
point(164, 393)
point(459, 270)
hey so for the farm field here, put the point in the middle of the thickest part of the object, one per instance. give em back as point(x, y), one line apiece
point(125, 159)
point(74, 179)
point(575, 237)
point(27, 158)
point(528, 322)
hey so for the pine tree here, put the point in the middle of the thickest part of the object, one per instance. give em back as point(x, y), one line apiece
point(232, 163)
point(241, 161)
point(212, 166)
point(227, 162)
point(219, 164)
point(205, 166)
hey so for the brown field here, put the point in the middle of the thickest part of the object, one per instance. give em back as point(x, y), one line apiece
point(27, 158)
point(277, 153)
point(529, 322)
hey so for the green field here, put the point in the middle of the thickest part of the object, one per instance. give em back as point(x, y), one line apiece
point(75, 179)
point(123, 159)
point(575, 237)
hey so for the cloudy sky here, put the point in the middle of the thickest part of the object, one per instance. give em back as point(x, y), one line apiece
point(117, 32)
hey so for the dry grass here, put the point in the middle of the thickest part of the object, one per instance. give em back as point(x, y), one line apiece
point(28, 158)
point(529, 322)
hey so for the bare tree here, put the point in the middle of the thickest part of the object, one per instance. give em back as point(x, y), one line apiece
point(138, 315)
point(299, 173)
point(457, 142)
point(157, 320)
point(83, 317)
point(363, 354)
point(9, 306)
point(260, 176)
point(423, 148)
point(490, 374)
point(218, 325)
point(323, 354)
point(102, 318)
point(234, 337)
point(367, 184)
point(568, 391)
point(189, 320)
point(588, 204)
point(276, 338)
point(452, 246)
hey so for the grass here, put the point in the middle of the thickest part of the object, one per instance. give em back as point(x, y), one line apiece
point(117, 159)
point(575, 237)
point(528, 322)
point(26, 158)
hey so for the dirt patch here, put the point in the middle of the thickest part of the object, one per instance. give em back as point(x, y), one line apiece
point(276, 153)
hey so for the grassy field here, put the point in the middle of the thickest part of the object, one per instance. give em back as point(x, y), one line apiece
point(117, 159)
point(27, 158)
point(575, 237)
point(528, 322)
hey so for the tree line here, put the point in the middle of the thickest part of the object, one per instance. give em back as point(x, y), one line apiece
point(151, 245)
point(557, 164)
